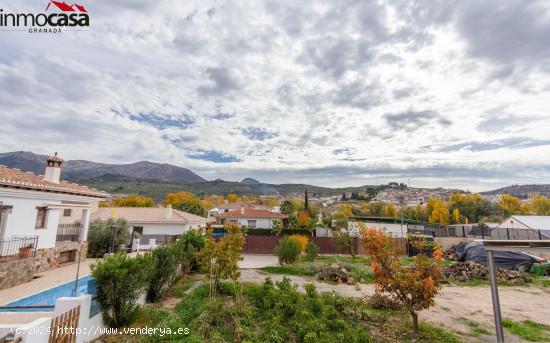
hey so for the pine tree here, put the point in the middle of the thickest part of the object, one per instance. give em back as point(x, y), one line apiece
point(306, 201)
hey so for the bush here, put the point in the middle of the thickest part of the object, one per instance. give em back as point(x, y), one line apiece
point(164, 264)
point(301, 240)
point(312, 251)
point(287, 250)
point(186, 249)
point(120, 281)
point(100, 235)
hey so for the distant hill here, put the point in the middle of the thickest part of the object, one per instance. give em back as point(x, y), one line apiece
point(158, 189)
point(522, 191)
point(249, 181)
point(80, 170)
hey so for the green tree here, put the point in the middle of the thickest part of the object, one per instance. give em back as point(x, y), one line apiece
point(195, 208)
point(220, 258)
point(344, 243)
point(376, 208)
point(100, 236)
point(164, 264)
point(120, 281)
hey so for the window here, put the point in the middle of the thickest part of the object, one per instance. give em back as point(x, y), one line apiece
point(41, 218)
point(67, 212)
point(252, 224)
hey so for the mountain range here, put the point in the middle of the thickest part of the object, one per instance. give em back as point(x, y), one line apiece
point(157, 179)
point(79, 169)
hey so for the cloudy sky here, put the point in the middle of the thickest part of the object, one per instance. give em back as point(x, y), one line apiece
point(329, 93)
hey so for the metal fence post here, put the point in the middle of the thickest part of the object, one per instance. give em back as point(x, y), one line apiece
point(482, 233)
point(540, 236)
point(494, 295)
point(508, 233)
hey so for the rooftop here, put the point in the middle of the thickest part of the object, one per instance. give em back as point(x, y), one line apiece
point(148, 215)
point(15, 178)
point(534, 222)
point(249, 212)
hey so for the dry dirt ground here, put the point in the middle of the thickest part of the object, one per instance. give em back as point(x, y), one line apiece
point(454, 305)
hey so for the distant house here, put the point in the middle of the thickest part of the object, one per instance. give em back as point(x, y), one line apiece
point(42, 221)
point(163, 224)
point(224, 208)
point(250, 217)
point(524, 227)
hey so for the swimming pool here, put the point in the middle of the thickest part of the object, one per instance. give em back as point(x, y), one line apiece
point(86, 285)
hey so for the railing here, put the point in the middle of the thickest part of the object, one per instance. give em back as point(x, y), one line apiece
point(17, 248)
point(160, 239)
point(69, 232)
point(475, 231)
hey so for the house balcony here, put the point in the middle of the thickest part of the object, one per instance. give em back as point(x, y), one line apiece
point(16, 248)
point(69, 233)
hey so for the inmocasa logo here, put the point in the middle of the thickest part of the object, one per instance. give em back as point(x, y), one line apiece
point(57, 16)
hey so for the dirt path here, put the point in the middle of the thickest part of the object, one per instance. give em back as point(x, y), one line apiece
point(453, 305)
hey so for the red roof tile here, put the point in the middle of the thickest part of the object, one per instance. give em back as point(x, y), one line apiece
point(16, 178)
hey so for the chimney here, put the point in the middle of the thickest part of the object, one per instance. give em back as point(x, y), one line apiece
point(168, 211)
point(242, 209)
point(53, 169)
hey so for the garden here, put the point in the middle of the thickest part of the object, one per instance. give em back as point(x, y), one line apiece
point(196, 284)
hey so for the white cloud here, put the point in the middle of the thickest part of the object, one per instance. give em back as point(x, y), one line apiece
point(278, 87)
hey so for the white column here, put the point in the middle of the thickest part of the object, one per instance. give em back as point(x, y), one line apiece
point(85, 221)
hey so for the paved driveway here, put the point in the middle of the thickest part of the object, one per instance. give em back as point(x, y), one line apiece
point(257, 261)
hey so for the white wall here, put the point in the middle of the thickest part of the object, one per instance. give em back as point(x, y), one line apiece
point(394, 230)
point(261, 223)
point(167, 229)
point(22, 219)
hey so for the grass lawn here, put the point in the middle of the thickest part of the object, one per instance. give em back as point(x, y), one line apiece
point(528, 330)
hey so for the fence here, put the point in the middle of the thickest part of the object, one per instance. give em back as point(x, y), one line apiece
point(69, 232)
point(159, 239)
point(17, 248)
point(476, 231)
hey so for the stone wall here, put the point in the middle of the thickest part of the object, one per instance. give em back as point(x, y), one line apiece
point(13, 273)
point(16, 272)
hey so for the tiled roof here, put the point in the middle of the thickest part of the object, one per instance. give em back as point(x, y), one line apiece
point(26, 180)
point(148, 215)
point(250, 212)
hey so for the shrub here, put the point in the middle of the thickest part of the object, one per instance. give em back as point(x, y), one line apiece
point(100, 235)
point(287, 250)
point(414, 288)
point(312, 251)
point(344, 243)
point(301, 240)
point(186, 249)
point(120, 281)
point(163, 260)
point(220, 258)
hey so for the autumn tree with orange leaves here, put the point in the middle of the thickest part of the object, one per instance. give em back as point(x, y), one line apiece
point(414, 287)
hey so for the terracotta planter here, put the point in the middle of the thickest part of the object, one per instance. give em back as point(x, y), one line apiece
point(25, 252)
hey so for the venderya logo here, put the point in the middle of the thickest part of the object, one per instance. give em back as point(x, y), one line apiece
point(57, 16)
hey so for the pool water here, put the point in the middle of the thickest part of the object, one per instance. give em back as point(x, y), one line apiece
point(86, 285)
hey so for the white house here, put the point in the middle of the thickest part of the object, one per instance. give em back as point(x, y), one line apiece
point(251, 217)
point(31, 208)
point(233, 206)
point(163, 224)
point(523, 227)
